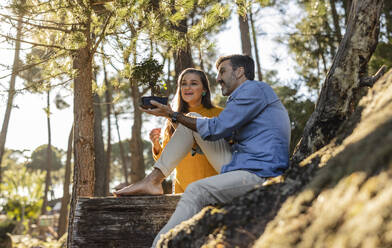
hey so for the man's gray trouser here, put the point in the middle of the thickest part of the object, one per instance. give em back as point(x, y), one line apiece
point(221, 188)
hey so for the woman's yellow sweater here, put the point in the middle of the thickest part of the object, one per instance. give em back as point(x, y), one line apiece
point(191, 168)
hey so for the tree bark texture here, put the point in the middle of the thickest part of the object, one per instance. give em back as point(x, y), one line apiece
point(121, 222)
point(84, 175)
point(63, 218)
point(341, 90)
point(84, 122)
point(99, 150)
point(11, 90)
point(136, 143)
point(245, 36)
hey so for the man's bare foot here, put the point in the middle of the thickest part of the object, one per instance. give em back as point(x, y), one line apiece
point(150, 185)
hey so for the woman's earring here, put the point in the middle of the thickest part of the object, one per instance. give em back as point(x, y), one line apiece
point(203, 93)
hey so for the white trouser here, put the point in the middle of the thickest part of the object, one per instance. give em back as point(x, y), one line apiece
point(221, 188)
point(180, 144)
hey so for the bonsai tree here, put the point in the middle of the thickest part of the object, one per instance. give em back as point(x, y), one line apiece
point(147, 73)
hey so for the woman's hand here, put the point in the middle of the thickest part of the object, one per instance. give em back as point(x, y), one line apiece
point(154, 137)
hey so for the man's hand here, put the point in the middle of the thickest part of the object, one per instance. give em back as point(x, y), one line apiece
point(160, 110)
point(166, 111)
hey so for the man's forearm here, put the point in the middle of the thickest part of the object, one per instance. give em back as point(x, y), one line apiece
point(189, 122)
point(166, 111)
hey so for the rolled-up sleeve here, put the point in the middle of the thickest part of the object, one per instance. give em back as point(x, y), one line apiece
point(202, 127)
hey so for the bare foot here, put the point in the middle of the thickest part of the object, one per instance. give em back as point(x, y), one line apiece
point(120, 186)
point(140, 188)
point(150, 185)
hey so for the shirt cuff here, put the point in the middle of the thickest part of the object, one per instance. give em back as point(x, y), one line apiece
point(202, 127)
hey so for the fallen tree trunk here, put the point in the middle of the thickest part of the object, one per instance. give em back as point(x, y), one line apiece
point(120, 222)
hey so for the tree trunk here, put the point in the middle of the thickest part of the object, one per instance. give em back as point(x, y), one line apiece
point(245, 36)
point(182, 60)
point(11, 90)
point(122, 152)
point(99, 150)
point(182, 56)
point(74, 197)
point(136, 143)
point(84, 120)
point(201, 58)
point(62, 224)
point(341, 89)
point(254, 35)
point(48, 158)
point(108, 99)
point(347, 7)
point(331, 33)
point(84, 177)
point(335, 18)
point(171, 85)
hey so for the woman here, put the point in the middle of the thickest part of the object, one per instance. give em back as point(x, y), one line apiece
point(193, 95)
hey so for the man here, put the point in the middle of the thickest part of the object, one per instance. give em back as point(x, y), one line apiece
point(247, 143)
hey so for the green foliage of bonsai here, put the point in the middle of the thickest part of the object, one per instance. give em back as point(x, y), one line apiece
point(148, 73)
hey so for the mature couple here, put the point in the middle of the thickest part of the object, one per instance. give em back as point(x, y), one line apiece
point(246, 143)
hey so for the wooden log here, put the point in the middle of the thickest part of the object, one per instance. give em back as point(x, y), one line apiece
point(121, 222)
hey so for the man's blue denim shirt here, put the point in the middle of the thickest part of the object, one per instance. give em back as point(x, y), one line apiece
point(258, 124)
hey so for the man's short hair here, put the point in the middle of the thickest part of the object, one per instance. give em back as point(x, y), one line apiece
point(238, 60)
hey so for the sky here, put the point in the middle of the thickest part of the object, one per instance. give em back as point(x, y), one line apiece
point(28, 124)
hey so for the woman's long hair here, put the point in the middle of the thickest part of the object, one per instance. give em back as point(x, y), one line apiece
point(180, 105)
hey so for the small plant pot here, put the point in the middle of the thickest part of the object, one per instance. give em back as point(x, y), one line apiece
point(146, 101)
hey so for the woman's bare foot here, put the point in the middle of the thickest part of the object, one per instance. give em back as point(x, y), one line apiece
point(140, 188)
point(121, 186)
point(150, 185)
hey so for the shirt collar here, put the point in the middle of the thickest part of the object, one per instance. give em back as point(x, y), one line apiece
point(235, 92)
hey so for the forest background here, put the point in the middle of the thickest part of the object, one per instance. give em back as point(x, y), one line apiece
point(47, 42)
